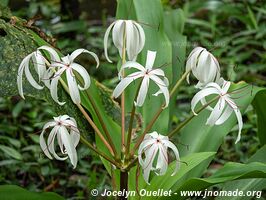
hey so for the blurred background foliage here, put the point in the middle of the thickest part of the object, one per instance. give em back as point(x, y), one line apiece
point(234, 31)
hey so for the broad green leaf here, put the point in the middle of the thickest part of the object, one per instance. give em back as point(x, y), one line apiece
point(259, 104)
point(230, 171)
point(13, 192)
point(257, 184)
point(11, 152)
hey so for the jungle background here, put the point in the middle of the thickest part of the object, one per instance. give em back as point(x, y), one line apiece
point(234, 31)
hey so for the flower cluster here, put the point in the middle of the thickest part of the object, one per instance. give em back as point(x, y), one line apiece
point(205, 67)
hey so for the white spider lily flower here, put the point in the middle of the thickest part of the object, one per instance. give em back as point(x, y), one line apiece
point(147, 74)
point(155, 146)
point(68, 65)
point(204, 66)
point(39, 66)
point(134, 38)
point(223, 108)
point(64, 128)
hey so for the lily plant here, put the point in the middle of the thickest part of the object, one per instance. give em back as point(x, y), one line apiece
point(146, 147)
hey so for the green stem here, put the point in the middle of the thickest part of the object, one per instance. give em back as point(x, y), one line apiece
point(131, 121)
point(98, 152)
point(178, 83)
point(182, 124)
point(102, 123)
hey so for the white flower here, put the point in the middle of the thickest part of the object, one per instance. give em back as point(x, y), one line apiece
point(146, 73)
point(39, 66)
point(66, 140)
point(204, 66)
point(134, 38)
point(67, 64)
point(223, 108)
point(152, 145)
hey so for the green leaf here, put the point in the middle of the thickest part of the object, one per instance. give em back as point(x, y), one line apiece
point(13, 192)
point(230, 171)
point(259, 104)
point(11, 152)
point(257, 184)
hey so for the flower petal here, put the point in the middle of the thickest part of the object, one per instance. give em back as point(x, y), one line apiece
point(53, 90)
point(175, 150)
point(68, 144)
point(143, 91)
point(73, 86)
point(53, 54)
point(106, 35)
point(84, 74)
point(151, 55)
point(77, 52)
point(124, 83)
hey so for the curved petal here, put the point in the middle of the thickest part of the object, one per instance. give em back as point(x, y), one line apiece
point(73, 86)
point(106, 35)
point(132, 38)
point(216, 112)
point(50, 142)
point(68, 144)
point(143, 91)
point(151, 55)
point(53, 54)
point(240, 123)
point(131, 64)
point(157, 72)
point(39, 64)
point(147, 166)
point(21, 68)
point(201, 94)
point(84, 74)
point(43, 145)
point(175, 150)
point(77, 52)
point(163, 88)
point(226, 114)
point(162, 161)
point(118, 35)
point(53, 90)
point(124, 83)
point(141, 37)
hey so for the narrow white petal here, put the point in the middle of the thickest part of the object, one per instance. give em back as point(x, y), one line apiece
point(80, 51)
point(141, 37)
point(151, 55)
point(84, 74)
point(226, 114)
point(131, 40)
point(50, 143)
point(106, 35)
point(53, 54)
point(43, 145)
point(124, 83)
point(175, 150)
point(131, 64)
point(216, 112)
point(202, 94)
point(143, 91)
point(68, 144)
point(240, 123)
point(53, 90)
point(163, 88)
point(31, 79)
point(73, 86)
point(118, 35)
point(150, 156)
